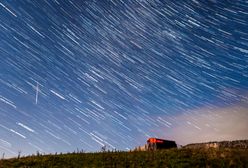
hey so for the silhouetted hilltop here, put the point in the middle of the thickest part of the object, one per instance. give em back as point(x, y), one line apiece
point(218, 154)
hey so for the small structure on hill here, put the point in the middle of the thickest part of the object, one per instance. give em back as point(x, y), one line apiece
point(155, 143)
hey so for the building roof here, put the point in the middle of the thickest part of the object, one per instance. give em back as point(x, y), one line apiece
point(156, 140)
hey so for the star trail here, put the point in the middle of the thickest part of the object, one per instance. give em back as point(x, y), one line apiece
point(82, 74)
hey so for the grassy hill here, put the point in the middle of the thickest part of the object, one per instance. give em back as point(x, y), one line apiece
point(163, 158)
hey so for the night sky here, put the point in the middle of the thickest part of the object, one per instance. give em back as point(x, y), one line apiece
point(81, 74)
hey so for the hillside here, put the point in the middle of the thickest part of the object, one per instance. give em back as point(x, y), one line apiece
point(184, 157)
point(238, 144)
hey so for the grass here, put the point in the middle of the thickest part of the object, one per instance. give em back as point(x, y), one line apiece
point(162, 159)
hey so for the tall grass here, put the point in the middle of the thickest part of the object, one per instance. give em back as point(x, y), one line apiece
point(161, 159)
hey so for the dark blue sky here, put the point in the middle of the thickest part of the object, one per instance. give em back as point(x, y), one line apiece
point(116, 72)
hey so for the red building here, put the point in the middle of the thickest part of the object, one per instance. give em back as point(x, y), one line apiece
point(155, 143)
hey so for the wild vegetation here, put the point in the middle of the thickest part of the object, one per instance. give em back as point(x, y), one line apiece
point(162, 158)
